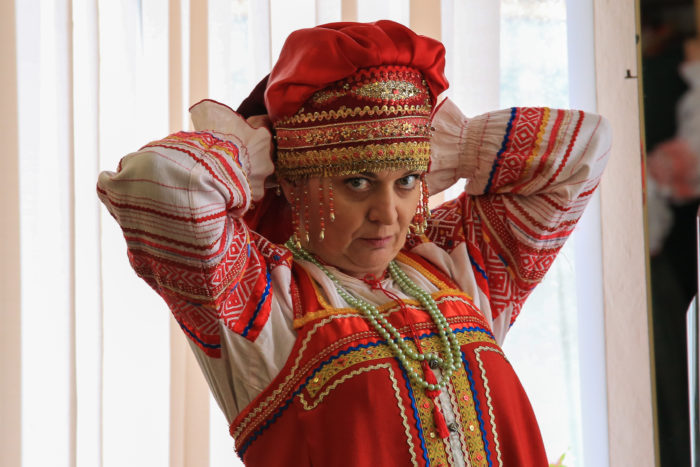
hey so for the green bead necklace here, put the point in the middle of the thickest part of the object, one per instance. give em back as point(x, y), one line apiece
point(399, 347)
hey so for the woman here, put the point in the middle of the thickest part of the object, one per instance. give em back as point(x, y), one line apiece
point(372, 336)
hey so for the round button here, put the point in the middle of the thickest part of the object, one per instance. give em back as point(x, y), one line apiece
point(434, 363)
point(453, 427)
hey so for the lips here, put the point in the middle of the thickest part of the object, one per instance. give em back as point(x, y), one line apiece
point(378, 242)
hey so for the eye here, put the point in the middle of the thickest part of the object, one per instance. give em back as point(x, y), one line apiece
point(408, 182)
point(357, 183)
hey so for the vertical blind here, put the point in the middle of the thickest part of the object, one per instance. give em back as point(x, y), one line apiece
point(106, 378)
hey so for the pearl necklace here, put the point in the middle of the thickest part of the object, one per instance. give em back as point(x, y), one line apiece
point(399, 347)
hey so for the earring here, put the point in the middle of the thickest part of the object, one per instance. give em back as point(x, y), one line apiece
point(322, 219)
point(306, 211)
point(331, 207)
point(420, 220)
point(296, 217)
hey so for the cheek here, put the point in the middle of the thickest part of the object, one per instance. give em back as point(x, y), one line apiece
point(337, 239)
point(349, 215)
point(339, 232)
point(348, 219)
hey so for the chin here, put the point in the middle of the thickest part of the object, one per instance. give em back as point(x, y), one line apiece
point(376, 263)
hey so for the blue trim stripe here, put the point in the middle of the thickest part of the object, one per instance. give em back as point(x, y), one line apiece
point(199, 341)
point(504, 145)
point(232, 289)
point(474, 329)
point(470, 376)
point(258, 432)
point(415, 415)
point(260, 304)
point(481, 272)
point(225, 142)
point(286, 404)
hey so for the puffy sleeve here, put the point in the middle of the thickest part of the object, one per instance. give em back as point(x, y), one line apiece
point(179, 202)
point(529, 174)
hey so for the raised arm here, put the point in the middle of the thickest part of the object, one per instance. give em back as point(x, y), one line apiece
point(530, 173)
point(179, 202)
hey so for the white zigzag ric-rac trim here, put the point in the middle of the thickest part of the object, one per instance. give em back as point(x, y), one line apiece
point(404, 420)
point(244, 428)
point(395, 308)
point(448, 451)
point(395, 385)
point(488, 396)
point(266, 405)
point(452, 298)
point(336, 383)
point(458, 419)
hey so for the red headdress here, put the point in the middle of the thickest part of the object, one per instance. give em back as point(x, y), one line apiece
point(352, 97)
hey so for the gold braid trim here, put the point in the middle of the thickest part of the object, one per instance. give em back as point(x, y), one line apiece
point(350, 160)
point(390, 90)
point(345, 112)
point(397, 128)
point(397, 394)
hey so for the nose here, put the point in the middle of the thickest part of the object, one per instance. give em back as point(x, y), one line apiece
point(383, 206)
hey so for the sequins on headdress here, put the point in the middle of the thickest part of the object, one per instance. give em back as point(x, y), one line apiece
point(376, 119)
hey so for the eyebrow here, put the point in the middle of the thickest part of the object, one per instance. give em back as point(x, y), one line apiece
point(374, 174)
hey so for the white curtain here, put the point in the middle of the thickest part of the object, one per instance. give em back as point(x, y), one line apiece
point(103, 375)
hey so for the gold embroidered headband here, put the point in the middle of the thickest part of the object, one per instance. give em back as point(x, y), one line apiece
point(376, 119)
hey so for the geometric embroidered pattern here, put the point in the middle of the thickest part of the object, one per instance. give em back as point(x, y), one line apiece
point(247, 307)
point(514, 229)
point(186, 242)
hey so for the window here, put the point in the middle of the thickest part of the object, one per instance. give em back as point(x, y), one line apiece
point(91, 94)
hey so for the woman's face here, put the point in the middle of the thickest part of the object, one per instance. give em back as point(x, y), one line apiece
point(372, 215)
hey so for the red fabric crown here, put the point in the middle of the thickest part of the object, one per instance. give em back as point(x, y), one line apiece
point(312, 59)
point(376, 119)
point(346, 98)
